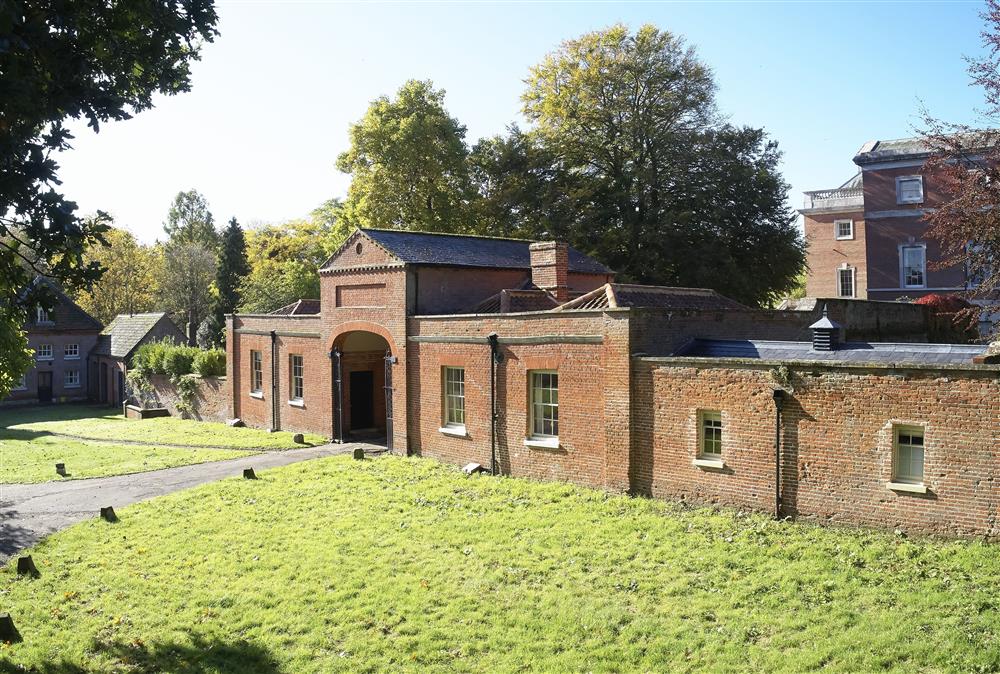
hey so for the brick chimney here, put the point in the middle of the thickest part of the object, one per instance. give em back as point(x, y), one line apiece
point(550, 267)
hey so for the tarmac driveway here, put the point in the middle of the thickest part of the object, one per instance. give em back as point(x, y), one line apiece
point(29, 512)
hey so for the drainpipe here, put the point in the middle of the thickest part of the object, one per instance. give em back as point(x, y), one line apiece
point(495, 359)
point(779, 401)
point(338, 392)
point(274, 381)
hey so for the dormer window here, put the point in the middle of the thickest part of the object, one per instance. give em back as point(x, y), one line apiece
point(909, 190)
point(41, 315)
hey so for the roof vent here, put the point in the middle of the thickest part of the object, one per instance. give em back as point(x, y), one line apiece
point(825, 333)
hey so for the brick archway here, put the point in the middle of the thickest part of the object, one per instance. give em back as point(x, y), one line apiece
point(345, 329)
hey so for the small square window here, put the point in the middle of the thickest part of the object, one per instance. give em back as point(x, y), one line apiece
point(71, 351)
point(44, 352)
point(710, 434)
point(844, 229)
point(71, 379)
point(908, 455)
point(909, 190)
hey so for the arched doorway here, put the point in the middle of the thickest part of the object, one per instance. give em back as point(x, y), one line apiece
point(362, 386)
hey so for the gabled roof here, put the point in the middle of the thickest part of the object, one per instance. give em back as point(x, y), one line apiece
point(614, 295)
point(298, 308)
point(126, 332)
point(848, 352)
point(461, 250)
point(65, 315)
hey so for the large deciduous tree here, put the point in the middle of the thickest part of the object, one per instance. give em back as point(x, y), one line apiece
point(130, 280)
point(187, 283)
point(659, 188)
point(408, 164)
point(284, 265)
point(190, 220)
point(92, 59)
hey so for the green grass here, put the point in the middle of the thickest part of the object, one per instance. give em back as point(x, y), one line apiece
point(109, 426)
point(404, 564)
point(27, 457)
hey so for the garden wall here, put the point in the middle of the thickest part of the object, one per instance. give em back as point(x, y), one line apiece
point(211, 401)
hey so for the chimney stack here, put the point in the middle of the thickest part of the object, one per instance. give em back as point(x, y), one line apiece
point(826, 333)
point(550, 268)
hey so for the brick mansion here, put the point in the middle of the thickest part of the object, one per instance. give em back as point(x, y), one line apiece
point(529, 359)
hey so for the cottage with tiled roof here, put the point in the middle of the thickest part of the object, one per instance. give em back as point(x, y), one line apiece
point(117, 345)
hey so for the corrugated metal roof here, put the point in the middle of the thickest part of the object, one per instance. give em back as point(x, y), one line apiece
point(470, 251)
point(850, 352)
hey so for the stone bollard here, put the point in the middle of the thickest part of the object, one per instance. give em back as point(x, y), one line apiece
point(359, 453)
point(26, 567)
point(299, 439)
point(248, 474)
point(61, 469)
point(108, 514)
point(8, 632)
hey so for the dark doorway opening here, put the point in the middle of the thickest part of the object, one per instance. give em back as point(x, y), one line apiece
point(362, 397)
point(103, 397)
point(120, 397)
point(44, 387)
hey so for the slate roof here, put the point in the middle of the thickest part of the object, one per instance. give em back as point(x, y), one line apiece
point(614, 295)
point(298, 308)
point(846, 352)
point(121, 337)
point(66, 315)
point(459, 250)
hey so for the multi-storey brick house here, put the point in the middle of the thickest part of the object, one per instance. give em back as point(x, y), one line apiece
point(529, 359)
point(62, 338)
point(867, 238)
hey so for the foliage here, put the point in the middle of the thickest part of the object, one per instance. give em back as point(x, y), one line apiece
point(98, 61)
point(149, 358)
point(952, 319)
point(233, 268)
point(187, 285)
point(284, 263)
point(189, 220)
point(210, 363)
point(186, 388)
point(179, 360)
point(662, 191)
point(140, 389)
point(129, 282)
point(441, 572)
point(966, 172)
point(408, 164)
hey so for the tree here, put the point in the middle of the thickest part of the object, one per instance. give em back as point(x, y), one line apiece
point(129, 282)
point(284, 265)
point(187, 284)
point(659, 188)
point(190, 220)
point(99, 61)
point(407, 162)
point(966, 169)
point(233, 267)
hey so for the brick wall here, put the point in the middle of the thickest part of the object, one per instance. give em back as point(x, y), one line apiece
point(57, 366)
point(211, 399)
point(837, 441)
point(826, 254)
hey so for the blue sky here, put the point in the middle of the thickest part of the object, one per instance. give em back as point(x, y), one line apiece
point(274, 96)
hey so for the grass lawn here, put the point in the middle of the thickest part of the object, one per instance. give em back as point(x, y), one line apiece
point(405, 564)
point(109, 425)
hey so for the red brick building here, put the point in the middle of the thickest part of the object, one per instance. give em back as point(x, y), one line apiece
point(528, 358)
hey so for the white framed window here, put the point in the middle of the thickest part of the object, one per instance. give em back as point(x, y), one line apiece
point(44, 352)
point(22, 384)
point(297, 382)
point(256, 372)
point(709, 434)
point(71, 379)
point(71, 352)
point(908, 454)
point(845, 282)
point(544, 403)
point(909, 189)
point(453, 389)
point(913, 266)
point(41, 315)
point(843, 229)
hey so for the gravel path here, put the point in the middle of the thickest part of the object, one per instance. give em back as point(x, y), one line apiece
point(29, 512)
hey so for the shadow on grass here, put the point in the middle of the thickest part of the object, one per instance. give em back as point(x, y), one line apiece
point(195, 657)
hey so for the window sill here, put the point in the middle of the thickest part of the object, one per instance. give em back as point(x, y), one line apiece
point(71, 386)
point(71, 357)
point(259, 395)
point(456, 431)
point(907, 487)
point(709, 464)
point(44, 358)
point(845, 238)
point(542, 443)
point(297, 403)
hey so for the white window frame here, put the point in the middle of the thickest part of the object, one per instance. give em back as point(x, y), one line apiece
point(715, 417)
point(836, 230)
point(534, 392)
point(256, 374)
point(453, 398)
point(71, 352)
point(854, 281)
point(899, 190)
point(296, 382)
point(902, 264)
point(41, 315)
point(71, 382)
point(44, 356)
point(22, 385)
point(899, 477)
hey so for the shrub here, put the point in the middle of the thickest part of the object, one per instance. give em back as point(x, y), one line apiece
point(210, 363)
point(149, 358)
point(177, 361)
